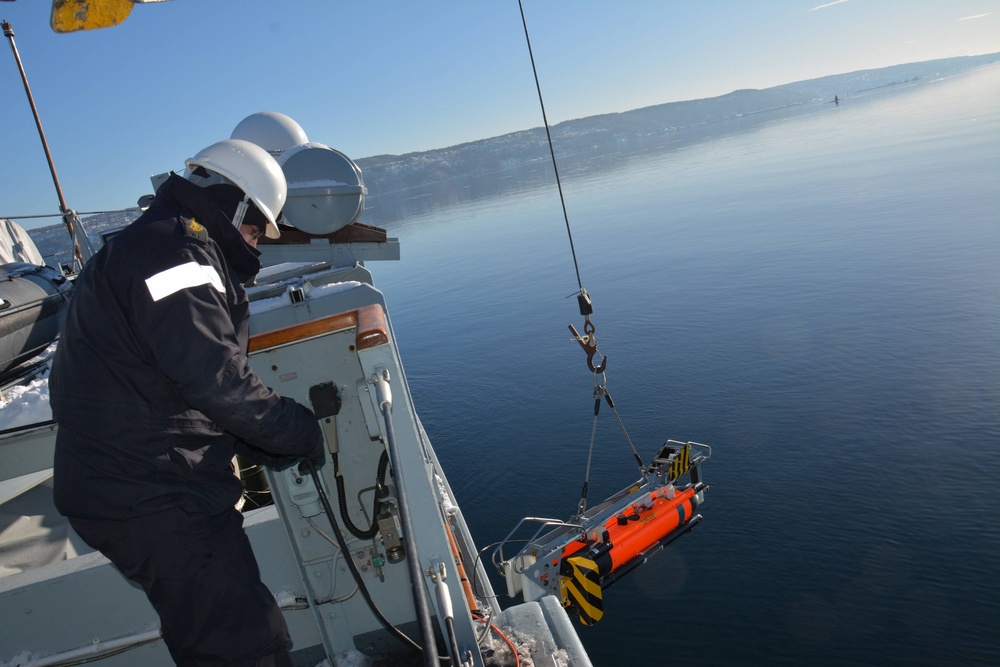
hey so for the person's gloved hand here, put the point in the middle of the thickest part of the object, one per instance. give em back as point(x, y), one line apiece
point(279, 463)
point(260, 457)
point(317, 457)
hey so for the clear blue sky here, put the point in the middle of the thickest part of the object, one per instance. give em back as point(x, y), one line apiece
point(393, 76)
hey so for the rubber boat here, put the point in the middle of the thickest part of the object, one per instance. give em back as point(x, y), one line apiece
point(33, 299)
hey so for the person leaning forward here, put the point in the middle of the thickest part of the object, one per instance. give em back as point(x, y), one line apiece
point(154, 395)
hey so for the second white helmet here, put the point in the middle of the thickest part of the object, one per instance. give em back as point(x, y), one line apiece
point(252, 170)
point(274, 132)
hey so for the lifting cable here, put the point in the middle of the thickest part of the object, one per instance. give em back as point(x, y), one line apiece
point(552, 152)
point(587, 341)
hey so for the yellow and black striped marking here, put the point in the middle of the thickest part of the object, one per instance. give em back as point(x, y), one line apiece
point(582, 589)
point(681, 462)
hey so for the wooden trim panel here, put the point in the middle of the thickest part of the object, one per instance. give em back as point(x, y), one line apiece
point(369, 321)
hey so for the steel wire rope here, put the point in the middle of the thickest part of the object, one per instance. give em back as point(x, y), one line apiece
point(552, 152)
point(584, 297)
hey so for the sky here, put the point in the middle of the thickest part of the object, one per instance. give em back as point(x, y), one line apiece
point(372, 77)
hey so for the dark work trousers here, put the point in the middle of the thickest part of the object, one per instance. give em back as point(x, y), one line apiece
point(201, 576)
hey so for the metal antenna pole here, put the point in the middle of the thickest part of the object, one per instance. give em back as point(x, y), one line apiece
point(67, 214)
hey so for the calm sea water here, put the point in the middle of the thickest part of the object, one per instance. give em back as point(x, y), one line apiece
point(818, 298)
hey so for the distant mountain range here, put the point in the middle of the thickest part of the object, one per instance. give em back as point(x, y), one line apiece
point(401, 185)
point(584, 137)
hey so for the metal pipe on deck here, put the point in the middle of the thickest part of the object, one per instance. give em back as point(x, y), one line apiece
point(420, 598)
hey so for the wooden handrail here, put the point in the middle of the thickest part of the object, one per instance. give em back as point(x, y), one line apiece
point(369, 321)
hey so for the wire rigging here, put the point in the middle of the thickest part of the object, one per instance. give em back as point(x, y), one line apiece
point(548, 134)
point(587, 340)
point(59, 215)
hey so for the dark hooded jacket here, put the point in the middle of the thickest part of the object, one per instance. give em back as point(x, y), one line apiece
point(151, 384)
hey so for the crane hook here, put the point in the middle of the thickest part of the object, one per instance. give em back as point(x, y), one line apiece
point(589, 344)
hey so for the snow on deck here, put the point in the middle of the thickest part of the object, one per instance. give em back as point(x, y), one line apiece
point(26, 404)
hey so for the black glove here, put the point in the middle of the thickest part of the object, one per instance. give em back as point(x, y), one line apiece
point(317, 457)
point(260, 457)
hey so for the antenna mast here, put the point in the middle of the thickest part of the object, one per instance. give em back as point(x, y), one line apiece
point(69, 216)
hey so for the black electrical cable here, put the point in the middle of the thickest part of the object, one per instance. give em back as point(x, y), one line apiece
point(453, 641)
point(399, 634)
point(371, 531)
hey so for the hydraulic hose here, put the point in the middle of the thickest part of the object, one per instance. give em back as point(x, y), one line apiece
point(420, 599)
point(350, 562)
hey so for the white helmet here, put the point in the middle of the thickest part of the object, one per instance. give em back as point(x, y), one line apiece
point(272, 131)
point(252, 170)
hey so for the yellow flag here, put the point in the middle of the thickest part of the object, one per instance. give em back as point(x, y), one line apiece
point(73, 15)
